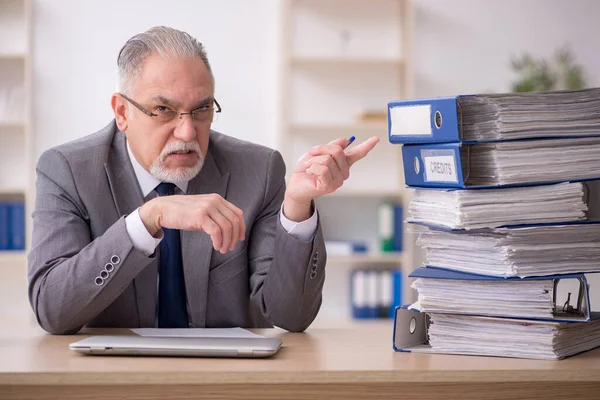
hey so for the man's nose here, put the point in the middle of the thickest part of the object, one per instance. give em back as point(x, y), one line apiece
point(185, 130)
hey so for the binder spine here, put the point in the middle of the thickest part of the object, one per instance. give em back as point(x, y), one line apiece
point(424, 121)
point(17, 226)
point(4, 226)
point(436, 166)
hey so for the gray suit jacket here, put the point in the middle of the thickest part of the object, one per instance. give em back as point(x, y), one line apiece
point(84, 191)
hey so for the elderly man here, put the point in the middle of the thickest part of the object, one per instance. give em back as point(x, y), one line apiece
point(159, 221)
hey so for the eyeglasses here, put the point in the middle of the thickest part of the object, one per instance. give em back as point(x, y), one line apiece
point(164, 114)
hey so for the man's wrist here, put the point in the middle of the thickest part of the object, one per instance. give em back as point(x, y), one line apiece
point(295, 210)
point(150, 216)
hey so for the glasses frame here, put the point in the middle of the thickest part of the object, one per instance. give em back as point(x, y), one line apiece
point(192, 114)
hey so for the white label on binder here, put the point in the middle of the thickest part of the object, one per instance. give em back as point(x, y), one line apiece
point(387, 287)
point(372, 280)
point(440, 169)
point(359, 298)
point(410, 120)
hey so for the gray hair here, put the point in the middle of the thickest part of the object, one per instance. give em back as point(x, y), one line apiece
point(161, 40)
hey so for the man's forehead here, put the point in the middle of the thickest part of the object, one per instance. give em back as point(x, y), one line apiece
point(197, 100)
point(173, 71)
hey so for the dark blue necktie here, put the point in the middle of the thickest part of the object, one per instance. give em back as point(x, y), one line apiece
point(172, 311)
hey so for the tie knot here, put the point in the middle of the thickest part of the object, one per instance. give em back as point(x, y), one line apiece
point(165, 189)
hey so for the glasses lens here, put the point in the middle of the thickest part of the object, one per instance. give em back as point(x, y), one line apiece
point(165, 115)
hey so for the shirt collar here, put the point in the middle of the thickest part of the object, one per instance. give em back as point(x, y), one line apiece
point(145, 179)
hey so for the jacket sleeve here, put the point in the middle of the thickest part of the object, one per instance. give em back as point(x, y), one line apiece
point(71, 278)
point(287, 274)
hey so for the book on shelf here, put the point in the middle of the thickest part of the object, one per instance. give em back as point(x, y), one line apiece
point(345, 247)
point(12, 225)
point(375, 293)
point(390, 226)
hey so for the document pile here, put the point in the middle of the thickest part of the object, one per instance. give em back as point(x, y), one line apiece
point(500, 207)
point(489, 208)
point(515, 251)
point(525, 115)
point(494, 117)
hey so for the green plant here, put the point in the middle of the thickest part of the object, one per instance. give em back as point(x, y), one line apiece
point(540, 75)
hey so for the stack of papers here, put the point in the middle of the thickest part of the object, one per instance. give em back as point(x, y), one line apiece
point(457, 334)
point(530, 115)
point(525, 251)
point(508, 163)
point(490, 208)
point(526, 299)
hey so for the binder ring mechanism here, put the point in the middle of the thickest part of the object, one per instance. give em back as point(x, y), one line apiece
point(412, 326)
point(437, 118)
point(567, 308)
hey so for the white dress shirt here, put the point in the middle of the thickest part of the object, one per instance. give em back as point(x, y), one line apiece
point(146, 243)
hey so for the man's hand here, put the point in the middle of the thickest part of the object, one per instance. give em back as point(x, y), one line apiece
point(321, 171)
point(210, 213)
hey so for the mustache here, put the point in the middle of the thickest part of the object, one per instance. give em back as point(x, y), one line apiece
point(178, 146)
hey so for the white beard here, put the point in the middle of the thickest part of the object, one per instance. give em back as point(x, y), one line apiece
point(159, 170)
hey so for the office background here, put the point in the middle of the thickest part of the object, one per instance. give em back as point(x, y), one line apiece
point(457, 46)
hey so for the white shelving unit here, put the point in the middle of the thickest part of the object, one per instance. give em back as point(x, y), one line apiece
point(373, 257)
point(16, 182)
point(15, 102)
point(342, 60)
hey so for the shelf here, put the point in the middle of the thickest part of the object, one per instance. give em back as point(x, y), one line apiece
point(12, 256)
point(342, 61)
point(12, 124)
point(13, 56)
point(393, 194)
point(12, 191)
point(361, 258)
point(350, 128)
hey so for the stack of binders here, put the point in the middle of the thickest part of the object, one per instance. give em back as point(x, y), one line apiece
point(500, 206)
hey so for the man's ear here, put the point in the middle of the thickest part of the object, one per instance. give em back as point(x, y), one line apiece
point(119, 106)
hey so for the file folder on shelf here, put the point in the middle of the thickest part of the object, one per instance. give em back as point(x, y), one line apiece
point(514, 163)
point(493, 117)
point(482, 295)
point(375, 293)
point(489, 336)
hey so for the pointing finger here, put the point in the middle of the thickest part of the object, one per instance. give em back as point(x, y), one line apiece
point(360, 151)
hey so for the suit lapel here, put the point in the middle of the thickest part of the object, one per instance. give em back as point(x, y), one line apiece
point(127, 196)
point(197, 246)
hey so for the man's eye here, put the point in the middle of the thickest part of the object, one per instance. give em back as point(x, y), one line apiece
point(163, 110)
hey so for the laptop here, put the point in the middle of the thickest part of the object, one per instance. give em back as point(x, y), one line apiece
point(133, 345)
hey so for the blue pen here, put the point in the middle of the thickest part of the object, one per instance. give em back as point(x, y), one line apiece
point(350, 140)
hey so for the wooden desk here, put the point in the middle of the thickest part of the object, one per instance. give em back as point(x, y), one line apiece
point(319, 364)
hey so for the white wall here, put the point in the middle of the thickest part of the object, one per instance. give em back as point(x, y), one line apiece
point(460, 46)
point(465, 46)
point(76, 44)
